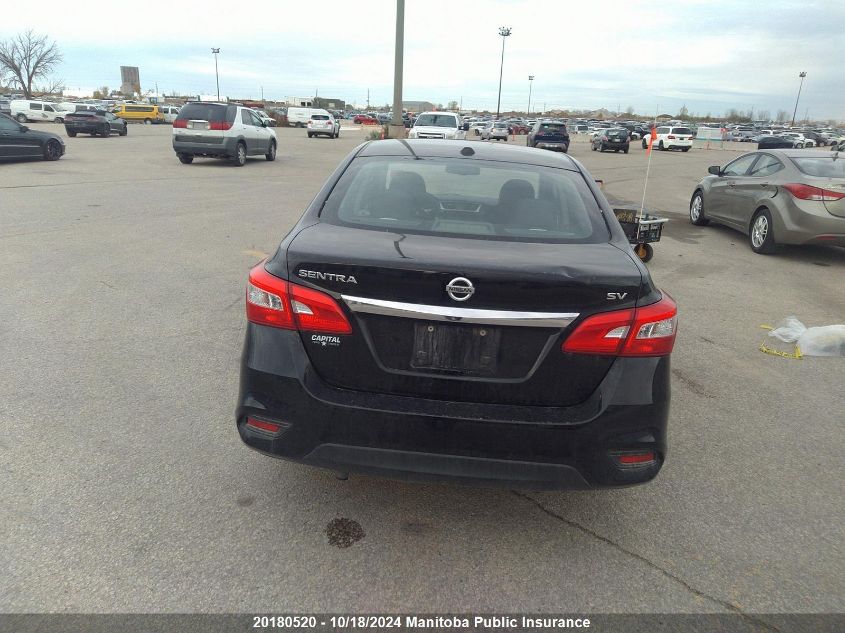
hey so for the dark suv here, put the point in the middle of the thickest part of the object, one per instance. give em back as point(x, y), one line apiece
point(97, 123)
point(615, 139)
point(549, 135)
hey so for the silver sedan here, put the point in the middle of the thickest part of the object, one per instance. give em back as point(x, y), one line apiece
point(776, 197)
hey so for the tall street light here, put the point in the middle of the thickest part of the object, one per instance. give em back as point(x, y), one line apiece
point(802, 74)
point(504, 32)
point(215, 52)
point(530, 85)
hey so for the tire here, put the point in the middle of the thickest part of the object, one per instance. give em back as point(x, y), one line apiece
point(601, 148)
point(661, 147)
point(106, 131)
point(310, 135)
point(21, 118)
point(148, 122)
point(685, 149)
point(696, 209)
point(239, 159)
point(644, 251)
point(52, 150)
point(71, 134)
point(625, 150)
point(761, 236)
point(125, 130)
point(337, 135)
point(271, 153)
point(59, 120)
point(594, 146)
point(185, 159)
point(645, 145)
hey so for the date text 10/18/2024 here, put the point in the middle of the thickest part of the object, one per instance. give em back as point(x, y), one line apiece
point(413, 621)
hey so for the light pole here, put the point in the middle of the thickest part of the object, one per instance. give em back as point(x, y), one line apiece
point(530, 85)
point(215, 52)
point(802, 74)
point(504, 32)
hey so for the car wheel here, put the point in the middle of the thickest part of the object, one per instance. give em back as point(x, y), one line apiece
point(240, 155)
point(593, 145)
point(661, 147)
point(124, 131)
point(696, 210)
point(645, 145)
point(71, 134)
point(762, 235)
point(106, 131)
point(310, 135)
point(185, 159)
point(685, 149)
point(271, 153)
point(52, 150)
point(21, 118)
point(625, 150)
point(148, 122)
point(337, 134)
point(59, 120)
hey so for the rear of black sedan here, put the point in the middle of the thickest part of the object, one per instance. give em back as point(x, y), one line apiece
point(458, 311)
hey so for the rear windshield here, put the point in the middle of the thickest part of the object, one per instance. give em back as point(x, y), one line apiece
point(551, 127)
point(681, 130)
point(500, 125)
point(207, 112)
point(437, 120)
point(821, 166)
point(319, 117)
point(466, 198)
point(619, 132)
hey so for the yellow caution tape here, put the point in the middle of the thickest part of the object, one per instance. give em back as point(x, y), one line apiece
point(776, 352)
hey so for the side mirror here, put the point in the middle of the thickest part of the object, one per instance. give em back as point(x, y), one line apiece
point(715, 170)
point(263, 123)
point(466, 127)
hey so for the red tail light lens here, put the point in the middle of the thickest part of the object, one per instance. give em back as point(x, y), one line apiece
point(279, 303)
point(183, 123)
point(220, 126)
point(646, 331)
point(270, 427)
point(809, 192)
point(635, 459)
point(671, 137)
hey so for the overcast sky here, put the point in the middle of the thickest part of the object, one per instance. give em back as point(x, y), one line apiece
point(711, 55)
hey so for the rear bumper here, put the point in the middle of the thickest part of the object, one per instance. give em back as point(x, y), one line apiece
point(480, 444)
point(558, 146)
point(208, 146)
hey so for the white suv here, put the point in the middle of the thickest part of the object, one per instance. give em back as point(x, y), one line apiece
point(438, 125)
point(322, 122)
point(221, 130)
point(669, 137)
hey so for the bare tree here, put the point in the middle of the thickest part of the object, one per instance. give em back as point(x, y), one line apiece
point(782, 116)
point(27, 57)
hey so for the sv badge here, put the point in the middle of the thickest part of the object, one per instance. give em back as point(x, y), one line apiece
point(616, 296)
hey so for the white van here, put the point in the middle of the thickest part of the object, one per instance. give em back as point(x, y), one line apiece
point(25, 110)
point(170, 113)
point(299, 117)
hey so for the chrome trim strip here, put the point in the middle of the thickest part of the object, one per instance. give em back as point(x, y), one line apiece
point(459, 315)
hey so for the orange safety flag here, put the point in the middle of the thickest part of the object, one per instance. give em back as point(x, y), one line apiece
point(651, 141)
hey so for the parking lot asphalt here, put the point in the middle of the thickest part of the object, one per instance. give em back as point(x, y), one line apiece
point(126, 488)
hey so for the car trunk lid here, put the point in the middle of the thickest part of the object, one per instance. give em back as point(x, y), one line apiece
point(502, 344)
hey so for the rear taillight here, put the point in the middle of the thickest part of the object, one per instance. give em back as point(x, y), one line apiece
point(646, 331)
point(279, 303)
point(809, 192)
point(671, 137)
point(604, 138)
point(635, 458)
point(263, 425)
point(220, 126)
point(183, 123)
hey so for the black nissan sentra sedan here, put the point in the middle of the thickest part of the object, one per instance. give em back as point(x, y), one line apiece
point(459, 311)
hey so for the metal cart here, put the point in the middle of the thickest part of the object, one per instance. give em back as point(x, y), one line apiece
point(641, 229)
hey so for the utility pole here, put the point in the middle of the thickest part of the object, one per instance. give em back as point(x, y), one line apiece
point(530, 85)
point(504, 32)
point(397, 125)
point(368, 98)
point(262, 93)
point(802, 74)
point(215, 52)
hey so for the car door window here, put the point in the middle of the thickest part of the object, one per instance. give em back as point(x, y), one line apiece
point(256, 120)
point(739, 166)
point(246, 119)
point(766, 166)
point(35, 106)
point(7, 125)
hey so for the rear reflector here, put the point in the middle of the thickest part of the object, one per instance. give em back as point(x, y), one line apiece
point(279, 303)
point(646, 331)
point(635, 459)
point(809, 192)
point(270, 427)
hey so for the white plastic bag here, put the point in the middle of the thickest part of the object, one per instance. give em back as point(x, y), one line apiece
point(823, 341)
point(828, 340)
point(789, 330)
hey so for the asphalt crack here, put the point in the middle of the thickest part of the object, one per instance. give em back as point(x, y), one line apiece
point(639, 557)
